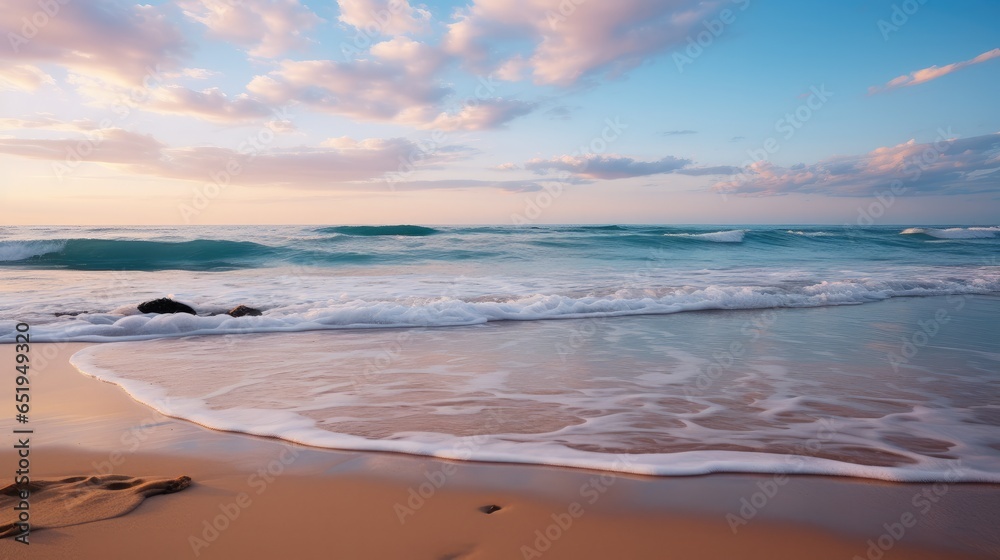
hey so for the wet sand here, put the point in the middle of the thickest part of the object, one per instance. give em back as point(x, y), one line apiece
point(254, 497)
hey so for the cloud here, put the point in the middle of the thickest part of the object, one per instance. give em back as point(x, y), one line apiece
point(713, 170)
point(678, 132)
point(25, 77)
point(364, 89)
point(327, 166)
point(932, 73)
point(197, 73)
point(267, 28)
point(737, 138)
point(509, 186)
point(562, 112)
point(46, 121)
point(485, 115)
point(282, 126)
point(210, 104)
point(568, 41)
point(615, 166)
point(113, 41)
point(385, 17)
point(606, 167)
point(397, 84)
point(947, 166)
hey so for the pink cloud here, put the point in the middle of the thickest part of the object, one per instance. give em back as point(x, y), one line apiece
point(268, 28)
point(932, 73)
point(397, 83)
point(326, 166)
point(24, 77)
point(210, 104)
point(384, 17)
point(948, 166)
point(570, 40)
point(118, 43)
point(487, 114)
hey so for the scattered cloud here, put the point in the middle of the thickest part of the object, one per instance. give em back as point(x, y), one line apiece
point(397, 84)
point(46, 121)
point(615, 166)
point(116, 42)
point(267, 28)
point(326, 166)
point(561, 112)
point(210, 104)
point(932, 73)
point(606, 167)
point(678, 132)
point(197, 73)
point(737, 138)
point(713, 170)
point(282, 126)
point(384, 17)
point(571, 41)
point(509, 186)
point(25, 77)
point(485, 115)
point(952, 166)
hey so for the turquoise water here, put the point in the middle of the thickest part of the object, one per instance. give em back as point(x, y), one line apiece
point(84, 283)
point(229, 248)
point(865, 352)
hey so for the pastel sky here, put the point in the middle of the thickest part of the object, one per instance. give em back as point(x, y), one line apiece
point(499, 112)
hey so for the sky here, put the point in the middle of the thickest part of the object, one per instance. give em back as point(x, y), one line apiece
point(858, 112)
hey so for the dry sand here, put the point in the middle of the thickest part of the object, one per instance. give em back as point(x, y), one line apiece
point(258, 498)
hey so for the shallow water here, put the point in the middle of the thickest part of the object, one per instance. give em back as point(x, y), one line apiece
point(906, 389)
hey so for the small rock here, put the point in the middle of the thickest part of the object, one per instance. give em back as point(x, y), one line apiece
point(242, 310)
point(165, 305)
point(489, 509)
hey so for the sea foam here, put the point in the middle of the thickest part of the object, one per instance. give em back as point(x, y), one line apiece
point(955, 233)
point(655, 396)
point(14, 250)
point(731, 236)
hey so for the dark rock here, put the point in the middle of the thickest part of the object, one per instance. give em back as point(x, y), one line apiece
point(69, 313)
point(242, 310)
point(164, 305)
point(489, 509)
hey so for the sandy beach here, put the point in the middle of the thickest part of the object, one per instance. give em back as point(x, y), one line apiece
point(499, 280)
point(255, 497)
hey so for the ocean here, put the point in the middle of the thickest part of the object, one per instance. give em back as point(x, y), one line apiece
point(661, 350)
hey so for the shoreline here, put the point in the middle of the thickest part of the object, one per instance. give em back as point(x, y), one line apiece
point(312, 502)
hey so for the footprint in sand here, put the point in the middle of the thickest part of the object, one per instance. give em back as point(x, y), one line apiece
point(81, 499)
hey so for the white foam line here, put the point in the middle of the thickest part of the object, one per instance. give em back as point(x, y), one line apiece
point(298, 429)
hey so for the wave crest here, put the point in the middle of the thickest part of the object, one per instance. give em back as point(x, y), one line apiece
point(955, 233)
point(13, 251)
point(375, 231)
point(731, 236)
